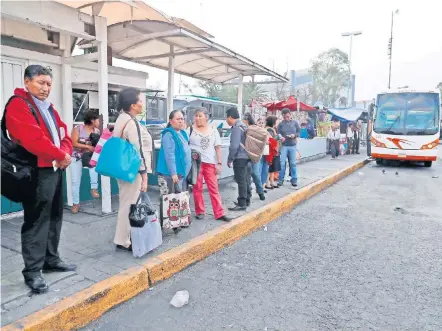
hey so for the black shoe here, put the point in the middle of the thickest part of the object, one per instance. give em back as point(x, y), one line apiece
point(269, 188)
point(262, 197)
point(127, 249)
point(199, 217)
point(238, 208)
point(294, 184)
point(37, 284)
point(59, 267)
point(280, 184)
point(265, 191)
point(236, 203)
point(276, 186)
point(224, 219)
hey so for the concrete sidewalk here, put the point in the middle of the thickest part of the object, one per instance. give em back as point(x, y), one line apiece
point(87, 241)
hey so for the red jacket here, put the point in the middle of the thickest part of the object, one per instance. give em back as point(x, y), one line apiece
point(36, 139)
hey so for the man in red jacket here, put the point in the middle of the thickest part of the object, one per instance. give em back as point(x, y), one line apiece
point(49, 140)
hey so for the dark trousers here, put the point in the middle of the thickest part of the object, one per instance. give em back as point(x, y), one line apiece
point(334, 145)
point(355, 145)
point(243, 177)
point(43, 216)
point(350, 145)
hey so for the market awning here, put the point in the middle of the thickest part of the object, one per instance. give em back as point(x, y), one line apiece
point(291, 103)
point(346, 114)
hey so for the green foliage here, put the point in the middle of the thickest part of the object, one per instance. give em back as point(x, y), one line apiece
point(331, 72)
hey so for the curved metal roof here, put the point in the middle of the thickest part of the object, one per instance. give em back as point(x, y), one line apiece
point(141, 34)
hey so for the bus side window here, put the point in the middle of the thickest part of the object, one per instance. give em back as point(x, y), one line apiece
point(209, 108)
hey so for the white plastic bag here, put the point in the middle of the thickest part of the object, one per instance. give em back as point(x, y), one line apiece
point(148, 237)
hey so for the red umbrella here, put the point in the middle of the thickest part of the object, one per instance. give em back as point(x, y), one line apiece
point(292, 104)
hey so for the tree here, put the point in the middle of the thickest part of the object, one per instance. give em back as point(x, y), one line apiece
point(342, 101)
point(331, 72)
point(229, 93)
point(305, 93)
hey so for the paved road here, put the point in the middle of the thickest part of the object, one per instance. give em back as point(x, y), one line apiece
point(96, 256)
point(365, 254)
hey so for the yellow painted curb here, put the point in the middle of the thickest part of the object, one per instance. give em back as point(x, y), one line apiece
point(87, 305)
point(176, 259)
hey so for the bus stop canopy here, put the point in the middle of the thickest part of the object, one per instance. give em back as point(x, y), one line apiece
point(141, 34)
point(153, 43)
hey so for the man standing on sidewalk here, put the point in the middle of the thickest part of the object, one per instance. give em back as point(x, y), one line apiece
point(239, 158)
point(290, 130)
point(48, 139)
point(356, 138)
point(350, 135)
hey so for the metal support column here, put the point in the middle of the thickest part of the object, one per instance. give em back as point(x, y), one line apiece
point(170, 82)
point(101, 30)
point(66, 111)
point(240, 93)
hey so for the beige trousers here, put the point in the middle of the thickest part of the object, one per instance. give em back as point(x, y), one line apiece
point(129, 194)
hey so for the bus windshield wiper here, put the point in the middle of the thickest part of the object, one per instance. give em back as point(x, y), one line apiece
point(392, 124)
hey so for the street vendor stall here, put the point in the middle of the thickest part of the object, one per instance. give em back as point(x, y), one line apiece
point(303, 113)
point(345, 116)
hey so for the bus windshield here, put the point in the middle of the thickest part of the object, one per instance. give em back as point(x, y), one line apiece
point(407, 114)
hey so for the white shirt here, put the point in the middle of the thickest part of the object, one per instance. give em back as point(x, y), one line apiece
point(349, 132)
point(205, 144)
point(334, 135)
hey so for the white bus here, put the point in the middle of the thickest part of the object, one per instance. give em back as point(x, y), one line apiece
point(216, 108)
point(406, 126)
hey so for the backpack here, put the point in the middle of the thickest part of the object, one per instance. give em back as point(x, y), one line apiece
point(19, 167)
point(256, 141)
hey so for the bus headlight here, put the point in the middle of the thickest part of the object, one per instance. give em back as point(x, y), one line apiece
point(377, 143)
point(431, 145)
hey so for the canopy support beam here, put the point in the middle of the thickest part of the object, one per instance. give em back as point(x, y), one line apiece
point(101, 30)
point(170, 81)
point(240, 93)
point(66, 112)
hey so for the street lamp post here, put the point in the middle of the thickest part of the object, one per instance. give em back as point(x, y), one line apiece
point(390, 45)
point(350, 34)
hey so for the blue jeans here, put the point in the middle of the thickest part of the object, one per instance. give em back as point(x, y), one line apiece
point(76, 172)
point(256, 176)
point(264, 170)
point(290, 152)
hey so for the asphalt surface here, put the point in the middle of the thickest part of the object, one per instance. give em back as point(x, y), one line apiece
point(365, 254)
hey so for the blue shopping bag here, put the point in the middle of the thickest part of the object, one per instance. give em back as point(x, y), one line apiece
point(119, 159)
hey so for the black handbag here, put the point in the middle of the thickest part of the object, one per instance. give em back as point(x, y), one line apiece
point(19, 167)
point(140, 210)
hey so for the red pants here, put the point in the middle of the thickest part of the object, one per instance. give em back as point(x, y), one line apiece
point(208, 172)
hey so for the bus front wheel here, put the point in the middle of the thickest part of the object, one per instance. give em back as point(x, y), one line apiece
point(379, 161)
point(428, 164)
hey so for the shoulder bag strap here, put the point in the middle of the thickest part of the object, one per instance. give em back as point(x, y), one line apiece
point(31, 109)
point(140, 142)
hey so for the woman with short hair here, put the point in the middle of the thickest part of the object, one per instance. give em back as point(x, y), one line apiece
point(205, 139)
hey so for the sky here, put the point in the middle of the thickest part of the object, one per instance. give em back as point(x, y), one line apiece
point(281, 34)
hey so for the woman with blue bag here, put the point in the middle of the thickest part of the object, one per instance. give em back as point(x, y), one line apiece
point(128, 127)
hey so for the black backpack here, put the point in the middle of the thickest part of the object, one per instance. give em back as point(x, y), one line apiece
point(19, 167)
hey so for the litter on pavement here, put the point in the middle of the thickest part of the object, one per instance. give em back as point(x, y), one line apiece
point(180, 299)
